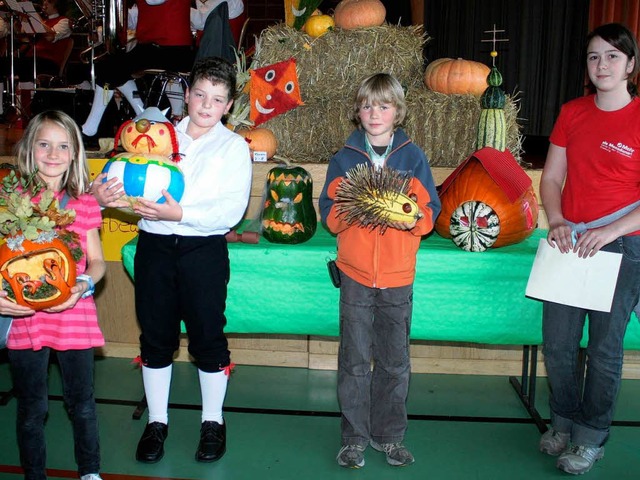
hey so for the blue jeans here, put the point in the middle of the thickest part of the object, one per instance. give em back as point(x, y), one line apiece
point(588, 416)
point(29, 369)
point(374, 328)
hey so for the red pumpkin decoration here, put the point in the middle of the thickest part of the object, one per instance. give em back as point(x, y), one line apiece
point(446, 75)
point(488, 201)
point(40, 275)
point(351, 14)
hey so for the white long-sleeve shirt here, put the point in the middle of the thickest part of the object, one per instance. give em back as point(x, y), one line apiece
point(217, 175)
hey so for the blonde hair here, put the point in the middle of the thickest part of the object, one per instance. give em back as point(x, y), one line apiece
point(380, 88)
point(76, 178)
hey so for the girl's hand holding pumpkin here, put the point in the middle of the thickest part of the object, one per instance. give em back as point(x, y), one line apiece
point(169, 210)
point(12, 309)
point(76, 292)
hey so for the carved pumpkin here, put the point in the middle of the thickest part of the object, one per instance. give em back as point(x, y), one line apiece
point(446, 75)
point(288, 215)
point(40, 275)
point(260, 140)
point(481, 208)
point(351, 14)
point(147, 167)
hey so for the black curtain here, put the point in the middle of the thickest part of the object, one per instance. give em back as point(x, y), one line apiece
point(543, 61)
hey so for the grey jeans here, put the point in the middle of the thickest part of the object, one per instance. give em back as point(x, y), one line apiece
point(373, 362)
point(588, 416)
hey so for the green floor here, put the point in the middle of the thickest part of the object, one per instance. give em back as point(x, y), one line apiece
point(283, 424)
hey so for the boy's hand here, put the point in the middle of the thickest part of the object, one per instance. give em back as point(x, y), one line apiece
point(108, 194)
point(403, 225)
point(170, 210)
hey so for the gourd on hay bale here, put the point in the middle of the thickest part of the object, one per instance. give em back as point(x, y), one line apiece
point(342, 58)
point(445, 126)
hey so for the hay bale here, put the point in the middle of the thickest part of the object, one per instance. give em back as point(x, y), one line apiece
point(331, 67)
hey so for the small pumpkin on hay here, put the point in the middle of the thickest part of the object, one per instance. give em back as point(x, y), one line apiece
point(150, 162)
point(488, 201)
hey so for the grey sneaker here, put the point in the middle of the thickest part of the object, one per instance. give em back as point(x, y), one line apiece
point(554, 442)
point(397, 454)
point(351, 456)
point(579, 459)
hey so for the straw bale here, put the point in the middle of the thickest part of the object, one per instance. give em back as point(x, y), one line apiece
point(329, 71)
point(342, 58)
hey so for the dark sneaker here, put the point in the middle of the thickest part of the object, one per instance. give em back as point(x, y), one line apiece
point(351, 456)
point(554, 442)
point(579, 459)
point(397, 454)
point(213, 442)
point(151, 444)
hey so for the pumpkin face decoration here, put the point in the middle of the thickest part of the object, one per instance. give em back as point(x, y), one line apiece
point(488, 201)
point(147, 167)
point(38, 275)
point(274, 90)
point(351, 14)
point(446, 75)
point(288, 215)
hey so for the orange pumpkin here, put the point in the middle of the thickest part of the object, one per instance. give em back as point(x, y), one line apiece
point(446, 75)
point(147, 136)
point(40, 275)
point(477, 214)
point(350, 14)
point(260, 140)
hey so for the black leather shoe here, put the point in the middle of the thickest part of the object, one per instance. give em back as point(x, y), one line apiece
point(213, 442)
point(151, 444)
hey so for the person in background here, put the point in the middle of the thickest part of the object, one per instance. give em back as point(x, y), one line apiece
point(164, 41)
point(52, 147)
point(592, 173)
point(181, 247)
point(203, 8)
point(377, 272)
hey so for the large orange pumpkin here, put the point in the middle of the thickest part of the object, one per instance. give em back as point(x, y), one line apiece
point(446, 75)
point(40, 275)
point(477, 214)
point(350, 14)
point(260, 140)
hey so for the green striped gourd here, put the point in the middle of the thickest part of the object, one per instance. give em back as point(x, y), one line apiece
point(492, 124)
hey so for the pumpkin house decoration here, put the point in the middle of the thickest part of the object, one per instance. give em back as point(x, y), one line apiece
point(456, 76)
point(488, 201)
point(288, 214)
point(38, 255)
point(352, 14)
point(375, 197)
point(149, 164)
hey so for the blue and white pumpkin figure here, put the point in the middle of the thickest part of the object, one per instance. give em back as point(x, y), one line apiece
point(149, 164)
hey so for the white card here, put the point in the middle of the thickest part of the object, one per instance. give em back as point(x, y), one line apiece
point(570, 280)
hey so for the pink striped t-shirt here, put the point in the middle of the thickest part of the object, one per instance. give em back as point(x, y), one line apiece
point(76, 328)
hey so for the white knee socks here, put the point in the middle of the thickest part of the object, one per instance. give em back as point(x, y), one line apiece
point(157, 383)
point(128, 90)
point(213, 387)
point(101, 99)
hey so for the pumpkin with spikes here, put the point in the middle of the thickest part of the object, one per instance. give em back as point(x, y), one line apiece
point(288, 215)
